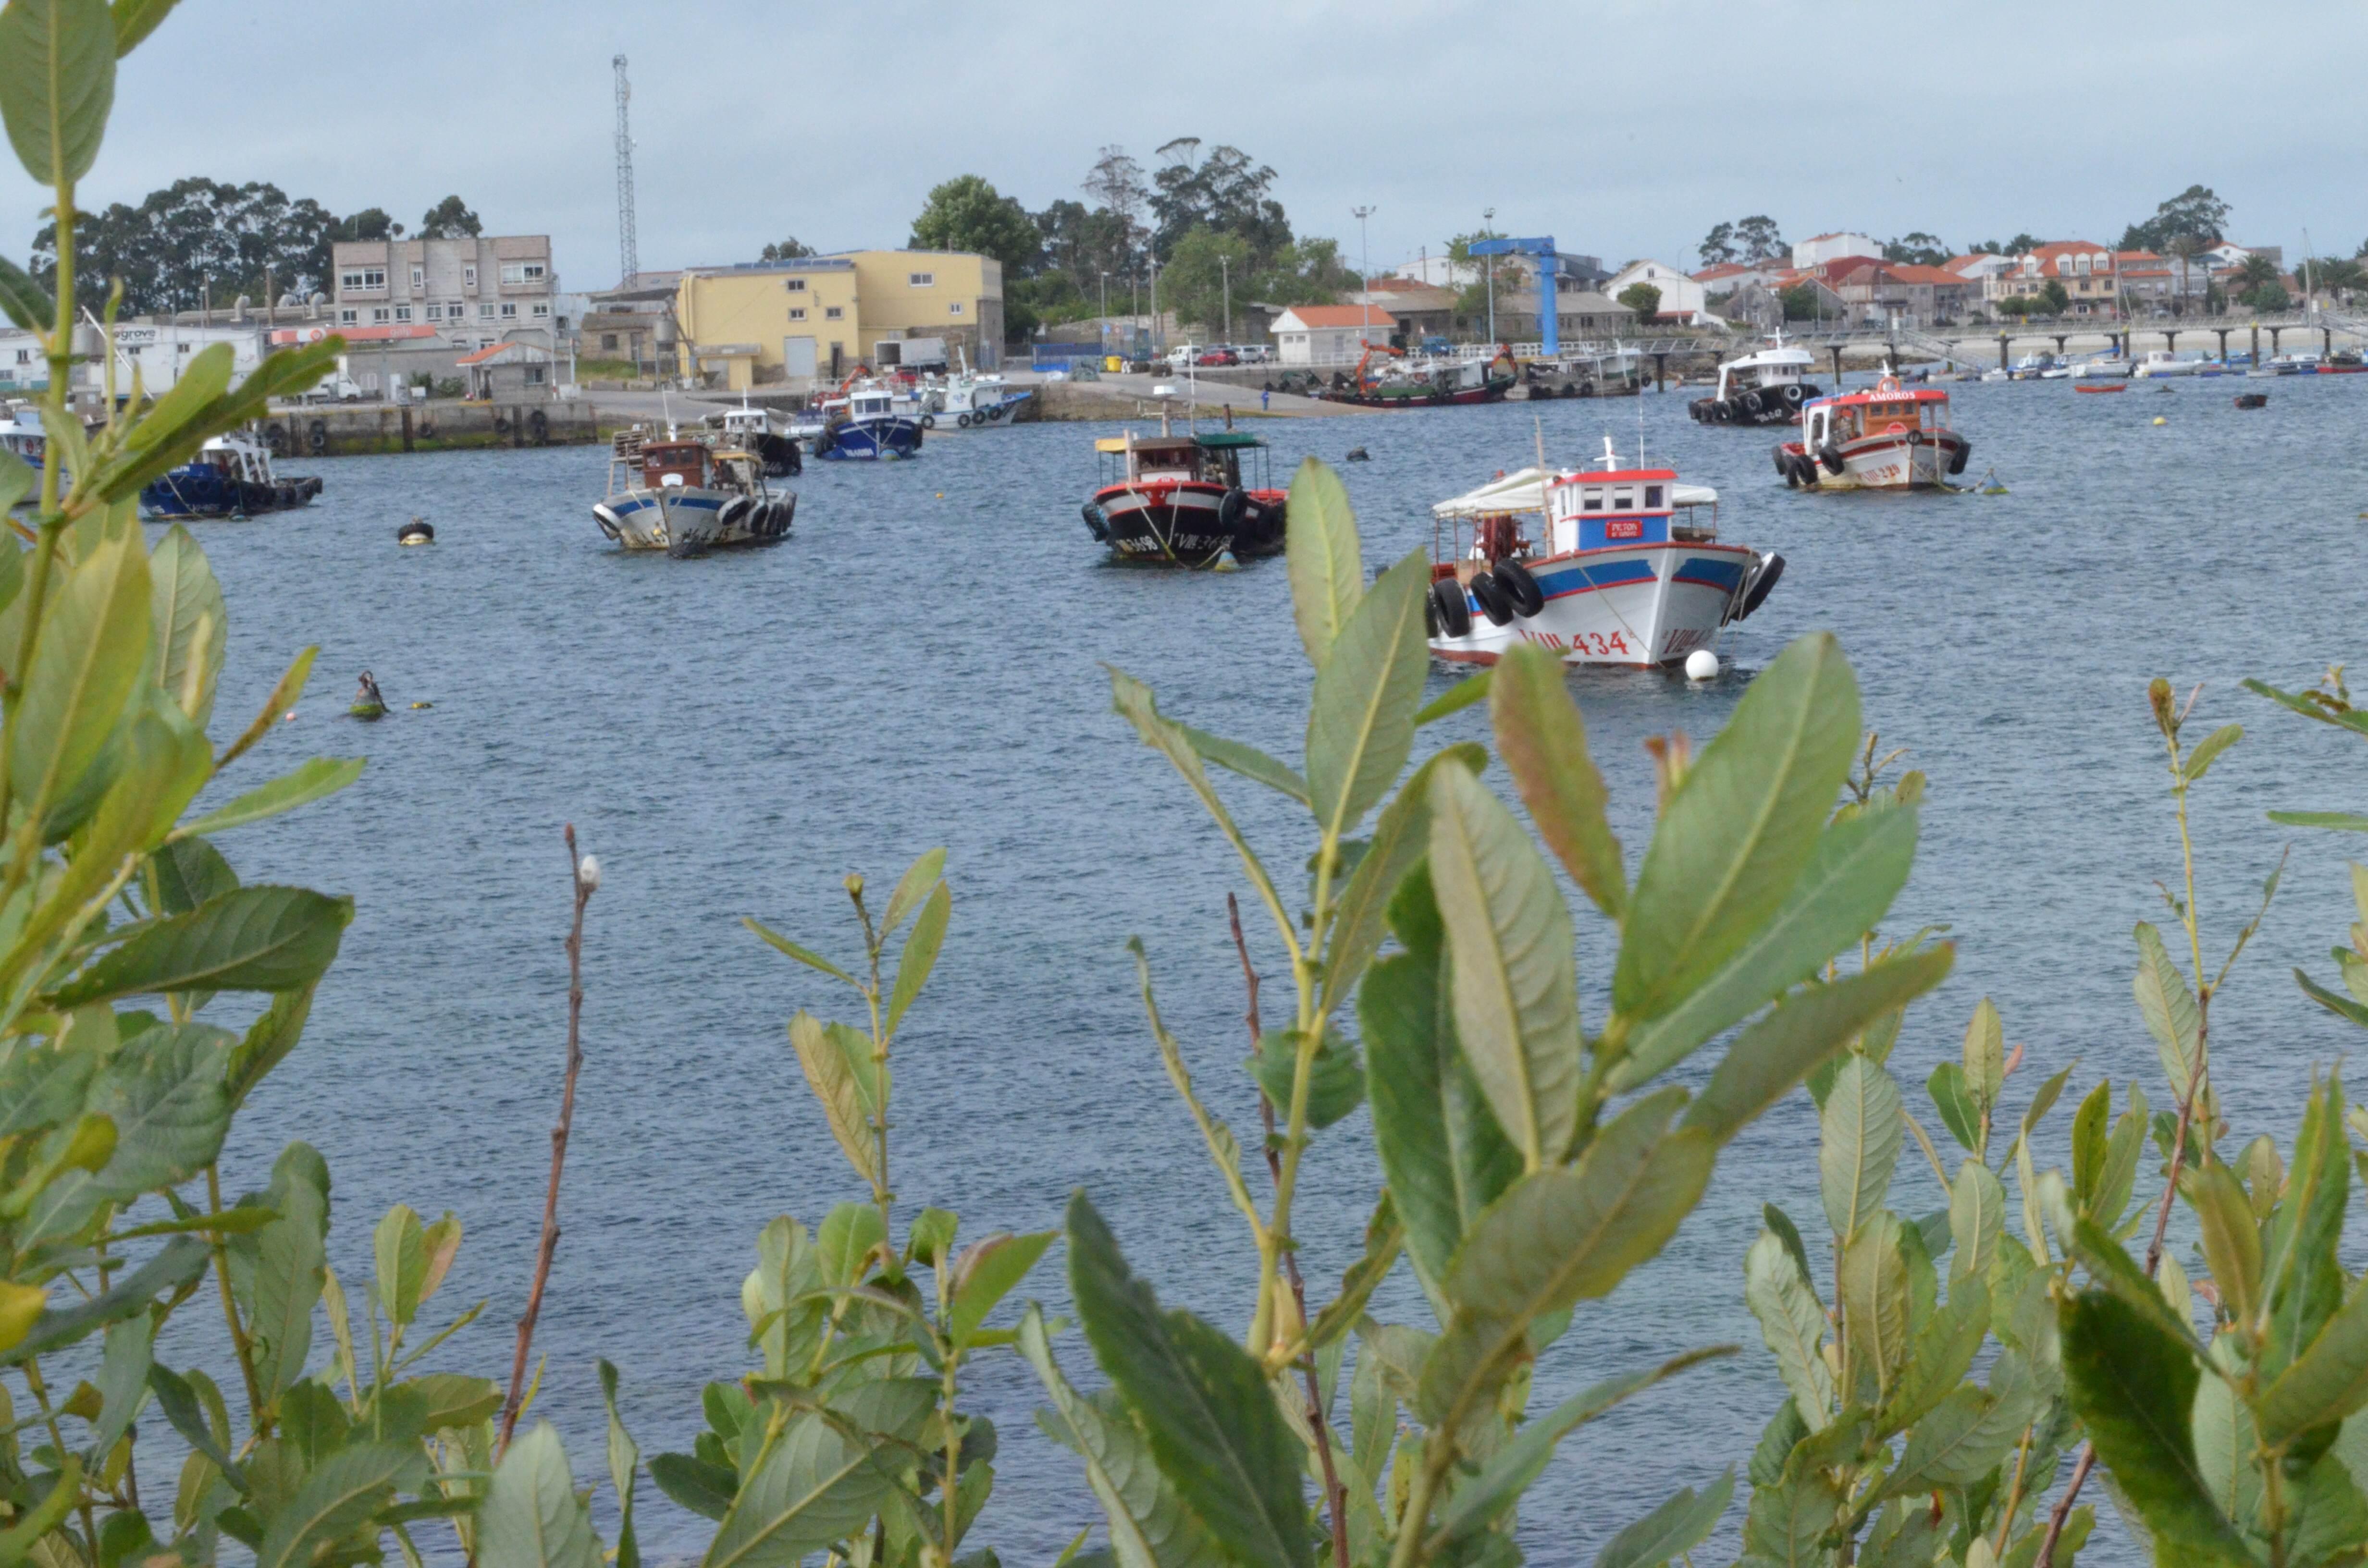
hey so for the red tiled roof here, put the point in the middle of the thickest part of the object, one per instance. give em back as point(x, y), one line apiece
point(1724, 270)
point(1939, 277)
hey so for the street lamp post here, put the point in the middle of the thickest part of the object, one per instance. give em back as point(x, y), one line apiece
point(1225, 280)
point(1365, 271)
point(1105, 322)
point(1488, 220)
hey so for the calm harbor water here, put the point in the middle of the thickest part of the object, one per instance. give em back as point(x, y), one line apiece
point(920, 665)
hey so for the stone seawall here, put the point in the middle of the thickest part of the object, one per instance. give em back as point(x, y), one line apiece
point(345, 430)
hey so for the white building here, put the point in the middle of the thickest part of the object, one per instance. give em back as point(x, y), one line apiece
point(160, 350)
point(1330, 335)
point(1438, 272)
point(1824, 249)
point(1681, 297)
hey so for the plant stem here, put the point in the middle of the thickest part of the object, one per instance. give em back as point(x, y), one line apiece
point(1306, 975)
point(238, 1338)
point(1335, 1495)
point(881, 1195)
point(57, 1438)
point(550, 1242)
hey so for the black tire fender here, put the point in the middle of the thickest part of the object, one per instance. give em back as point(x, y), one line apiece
point(538, 425)
point(1763, 578)
point(928, 422)
point(1957, 463)
point(1495, 602)
point(1229, 509)
point(1831, 456)
point(1783, 459)
point(317, 434)
point(1454, 610)
point(1514, 578)
point(1096, 524)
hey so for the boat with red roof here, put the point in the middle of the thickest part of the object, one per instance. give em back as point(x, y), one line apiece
point(1887, 437)
point(1626, 567)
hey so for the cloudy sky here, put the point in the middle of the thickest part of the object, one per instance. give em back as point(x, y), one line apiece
point(1623, 128)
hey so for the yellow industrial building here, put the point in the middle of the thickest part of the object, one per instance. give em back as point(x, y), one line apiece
point(811, 321)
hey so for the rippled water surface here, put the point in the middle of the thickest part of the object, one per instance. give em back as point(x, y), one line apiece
point(920, 665)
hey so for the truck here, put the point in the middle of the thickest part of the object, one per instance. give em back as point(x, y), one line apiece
point(912, 353)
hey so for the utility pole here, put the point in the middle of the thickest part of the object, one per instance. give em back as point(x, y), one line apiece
point(629, 259)
point(1104, 319)
point(1158, 327)
point(1365, 270)
point(1489, 231)
point(1225, 279)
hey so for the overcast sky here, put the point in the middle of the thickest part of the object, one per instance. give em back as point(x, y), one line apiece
point(1622, 128)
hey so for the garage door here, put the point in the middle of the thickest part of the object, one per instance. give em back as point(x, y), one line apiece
point(798, 355)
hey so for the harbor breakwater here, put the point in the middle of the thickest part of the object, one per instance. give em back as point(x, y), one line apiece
point(347, 431)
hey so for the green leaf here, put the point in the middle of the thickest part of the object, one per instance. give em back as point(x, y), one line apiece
point(317, 779)
point(122, 1381)
point(25, 305)
point(57, 83)
point(180, 1260)
point(250, 939)
point(1671, 1530)
point(164, 1091)
point(1771, 1056)
point(135, 19)
point(2327, 1382)
point(2343, 822)
point(1149, 1526)
point(1327, 572)
point(1335, 1078)
point(450, 1402)
point(1401, 838)
point(2169, 1007)
point(1985, 1055)
point(624, 1459)
point(2342, 1006)
point(810, 959)
point(701, 1488)
point(401, 1245)
point(188, 625)
point(1857, 869)
point(1544, 742)
point(1789, 1520)
point(848, 1233)
point(1248, 761)
point(1741, 828)
point(93, 641)
point(920, 954)
point(985, 1273)
point(1515, 995)
point(337, 1499)
point(921, 878)
point(1514, 1468)
point(268, 1041)
point(1870, 1282)
point(2213, 745)
point(1947, 1340)
point(178, 1401)
point(1467, 690)
point(1792, 1323)
point(17, 482)
point(1562, 1235)
point(1959, 1111)
point(2134, 1387)
point(1385, 1238)
point(1961, 1441)
point(1361, 718)
point(1976, 1221)
point(1860, 1129)
point(1209, 1418)
point(2303, 1280)
point(813, 1483)
point(836, 1088)
point(2231, 1237)
point(530, 1518)
point(291, 1267)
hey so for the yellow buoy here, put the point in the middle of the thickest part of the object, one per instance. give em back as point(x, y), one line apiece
point(423, 705)
point(2160, 420)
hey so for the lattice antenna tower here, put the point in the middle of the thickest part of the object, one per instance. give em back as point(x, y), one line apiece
point(629, 259)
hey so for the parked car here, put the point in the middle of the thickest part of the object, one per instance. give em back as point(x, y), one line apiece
point(1184, 354)
point(1255, 354)
point(1221, 355)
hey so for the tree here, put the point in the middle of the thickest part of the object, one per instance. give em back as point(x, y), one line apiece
point(1226, 192)
point(369, 223)
point(2338, 273)
point(198, 240)
point(1760, 240)
point(2024, 245)
point(1718, 246)
point(1193, 282)
point(2267, 299)
point(2256, 269)
point(450, 219)
point(1084, 244)
point(1304, 272)
point(2194, 213)
point(789, 249)
point(1801, 302)
point(1919, 249)
point(1116, 184)
point(1643, 299)
point(966, 213)
point(2055, 298)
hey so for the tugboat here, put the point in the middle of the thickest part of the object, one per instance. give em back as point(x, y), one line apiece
point(1626, 568)
point(1179, 498)
point(1888, 438)
point(229, 477)
point(1762, 388)
point(862, 424)
point(1422, 383)
point(686, 498)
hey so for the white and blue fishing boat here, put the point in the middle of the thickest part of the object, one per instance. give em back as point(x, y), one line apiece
point(1604, 566)
point(864, 426)
point(969, 399)
point(686, 498)
point(22, 437)
point(231, 477)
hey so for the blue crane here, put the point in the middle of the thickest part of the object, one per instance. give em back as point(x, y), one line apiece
point(1549, 319)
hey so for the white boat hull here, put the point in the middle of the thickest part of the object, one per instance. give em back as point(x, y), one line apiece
point(1887, 463)
point(1638, 605)
point(678, 517)
point(2155, 368)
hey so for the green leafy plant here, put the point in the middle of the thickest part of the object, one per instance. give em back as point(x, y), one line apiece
point(1531, 1161)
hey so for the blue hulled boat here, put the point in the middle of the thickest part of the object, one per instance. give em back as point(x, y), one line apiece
point(865, 427)
point(229, 477)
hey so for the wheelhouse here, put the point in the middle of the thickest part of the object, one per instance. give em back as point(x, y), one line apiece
point(1888, 410)
point(1215, 456)
point(676, 463)
point(1573, 513)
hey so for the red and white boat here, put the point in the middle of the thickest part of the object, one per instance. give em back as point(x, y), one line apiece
point(1625, 567)
point(1888, 438)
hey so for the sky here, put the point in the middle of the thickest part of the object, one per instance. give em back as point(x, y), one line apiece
point(1624, 129)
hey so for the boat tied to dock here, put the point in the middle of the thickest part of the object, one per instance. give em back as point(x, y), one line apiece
point(1886, 437)
point(1430, 383)
point(1624, 567)
point(685, 497)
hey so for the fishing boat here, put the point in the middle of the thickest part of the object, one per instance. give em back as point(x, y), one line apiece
point(968, 400)
point(685, 497)
point(1762, 387)
point(862, 424)
point(1421, 384)
point(751, 429)
point(1183, 498)
point(1887, 437)
point(231, 477)
point(1605, 566)
point(2163, 362)
point(2106, 367)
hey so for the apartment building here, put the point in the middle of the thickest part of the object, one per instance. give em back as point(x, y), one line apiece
point(813, 319)
point(415, 307)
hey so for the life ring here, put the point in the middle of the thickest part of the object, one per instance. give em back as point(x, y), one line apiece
point(538, 425)
point(1793, 395)
point(1495, 602)
point(1529, 600)
point(317, 434)
point(1916, 437)
point(1831, 456)
point(1455, 610)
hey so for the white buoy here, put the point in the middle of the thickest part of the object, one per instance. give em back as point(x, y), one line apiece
point(1701, 665)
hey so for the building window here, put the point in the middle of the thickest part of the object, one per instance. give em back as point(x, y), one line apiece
point(418, 277)
point(534, 375)
point(798, 286)
point(509, 309)
point(522, 272)
point(543, 308)
point(608, 340)
point(798, 312)
point(468, 278)
point(954, 309)
point(485, 311)
point(348, 317)
point(832, 313)
point(363, 278)
point(435, 312)
point(403, 312)
point(923, 280)
point(378, 315)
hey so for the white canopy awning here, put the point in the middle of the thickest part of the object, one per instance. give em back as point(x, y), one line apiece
point(1526, 492)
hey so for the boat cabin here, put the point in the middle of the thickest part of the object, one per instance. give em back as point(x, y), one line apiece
point(1573, 512)
point(870, 406)
point(1769, 367)
point(1207, 457)
point(1888, 410)
point(237, 459)
point(678, 463)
